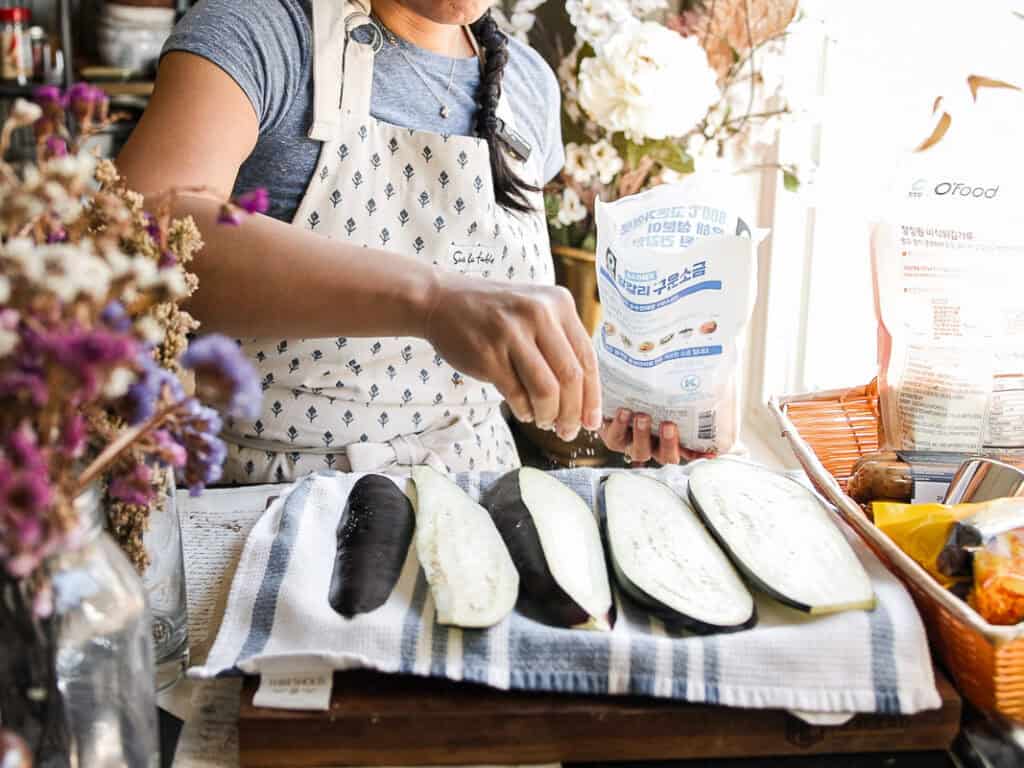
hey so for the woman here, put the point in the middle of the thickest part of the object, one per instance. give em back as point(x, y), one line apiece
point(412, 291)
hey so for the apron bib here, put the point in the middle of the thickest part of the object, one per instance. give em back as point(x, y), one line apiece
point(366, 404)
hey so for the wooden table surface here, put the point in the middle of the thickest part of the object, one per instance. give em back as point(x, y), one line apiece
point(386, 720)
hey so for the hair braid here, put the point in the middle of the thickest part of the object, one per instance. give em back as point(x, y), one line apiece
point(509, 190)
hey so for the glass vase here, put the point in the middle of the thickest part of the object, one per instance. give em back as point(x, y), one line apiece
point(164, 580)
point(104, 652)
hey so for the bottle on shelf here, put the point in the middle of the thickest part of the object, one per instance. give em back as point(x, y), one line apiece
point(15, 62)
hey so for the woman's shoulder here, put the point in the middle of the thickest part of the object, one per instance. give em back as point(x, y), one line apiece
point(264, 45)
point(529, 67)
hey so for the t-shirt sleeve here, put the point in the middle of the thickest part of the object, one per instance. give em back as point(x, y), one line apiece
point(554, 160)
point(260, 44)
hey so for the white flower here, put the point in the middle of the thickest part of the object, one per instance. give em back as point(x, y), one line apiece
point(579, 164)
point(174, 283)
point(648, 82)
point(93, 276)
point(120, 379)
point(597, 20)
point(23, 253)
point(144, 272)
point(606, 160)
point(708, 157)
point(24, 113)
point(79, 168)
point(150, 330)
point(646, 7)
point(8, 342)
point(5, 289)
point(572, 208)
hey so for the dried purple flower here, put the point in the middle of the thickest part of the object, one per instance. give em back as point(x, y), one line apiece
point(230, 215)
point(167, 450)
point(153, 382)
point(225, 379)
point(115, 317)
point(57, 235)
point(73, 436)
point(48, 95)
point(254, 201)
point(25, 498)
point(167, 259)
point(196, 427)
point(134, 487)
point(87, 354)
point(152, 227)
point(55, 146)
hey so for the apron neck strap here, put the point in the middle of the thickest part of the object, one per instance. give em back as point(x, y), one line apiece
point(334, 53)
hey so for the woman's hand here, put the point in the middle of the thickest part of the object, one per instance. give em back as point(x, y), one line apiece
point(630, 434)
point(525, 339)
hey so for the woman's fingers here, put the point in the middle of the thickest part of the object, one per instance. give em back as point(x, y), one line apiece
point(590, 406)
point(668, 443)
point(640, 450)
point(509, 387)
point(616, 431)
point(539, 380)
point(561, 359)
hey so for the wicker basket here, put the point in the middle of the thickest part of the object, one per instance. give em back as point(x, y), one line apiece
point(828, 432)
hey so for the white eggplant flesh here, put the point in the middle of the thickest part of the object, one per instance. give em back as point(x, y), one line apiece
point(555, 542)
point(470, 572)
point(781, 536)
point(665, 559)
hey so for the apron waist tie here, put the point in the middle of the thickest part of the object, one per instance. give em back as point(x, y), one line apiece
point(434, 447)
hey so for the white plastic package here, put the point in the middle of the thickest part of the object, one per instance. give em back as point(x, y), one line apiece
point(948, 267)
point(677, 277)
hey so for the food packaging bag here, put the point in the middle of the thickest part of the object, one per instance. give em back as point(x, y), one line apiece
point(948, 266)
point(677, 277)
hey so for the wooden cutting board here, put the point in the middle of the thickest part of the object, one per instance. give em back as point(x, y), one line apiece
point(386, 720)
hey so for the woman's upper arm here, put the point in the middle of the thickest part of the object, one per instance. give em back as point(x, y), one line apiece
point(197, 130)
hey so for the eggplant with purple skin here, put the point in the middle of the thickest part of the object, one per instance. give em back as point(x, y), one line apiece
point(374, 535)
point(555, 543)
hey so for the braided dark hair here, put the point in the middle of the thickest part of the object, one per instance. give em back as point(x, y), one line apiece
point(510, 191)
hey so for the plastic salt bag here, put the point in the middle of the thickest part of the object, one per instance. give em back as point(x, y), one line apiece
point(677, 277)
point(948, 265)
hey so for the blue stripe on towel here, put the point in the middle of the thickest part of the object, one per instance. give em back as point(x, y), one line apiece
point(643, 653)
point(712, 670)
point(412, 622)
point(884, 674)
point(680, 669)
point(265, 606)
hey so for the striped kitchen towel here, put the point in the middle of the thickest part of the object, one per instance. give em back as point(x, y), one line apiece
point(278, 622)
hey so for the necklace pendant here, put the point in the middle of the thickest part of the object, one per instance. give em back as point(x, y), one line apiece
point(444, 111)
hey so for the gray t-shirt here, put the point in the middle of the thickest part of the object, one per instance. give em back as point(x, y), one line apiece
point(266, 46)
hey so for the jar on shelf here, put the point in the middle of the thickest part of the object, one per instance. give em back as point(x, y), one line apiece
point(16, 59)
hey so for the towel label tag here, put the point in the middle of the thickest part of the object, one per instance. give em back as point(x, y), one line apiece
point(297, 690)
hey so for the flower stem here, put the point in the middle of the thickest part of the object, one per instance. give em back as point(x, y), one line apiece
point(114, 449)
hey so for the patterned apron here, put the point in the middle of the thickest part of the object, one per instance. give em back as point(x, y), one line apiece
point(365, 404)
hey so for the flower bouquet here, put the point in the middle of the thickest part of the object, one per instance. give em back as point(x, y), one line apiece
point(650, 94)
point(93, 343)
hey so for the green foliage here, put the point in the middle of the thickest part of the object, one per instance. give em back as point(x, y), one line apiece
point(790, 180)
point(667, 153)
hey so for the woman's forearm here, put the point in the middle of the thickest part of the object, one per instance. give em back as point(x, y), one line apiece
point(268, 278)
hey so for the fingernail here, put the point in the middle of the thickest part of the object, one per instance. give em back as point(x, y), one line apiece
point(547, 426)
point(593, 420)
point(568, 435)
point(643, 422)
point(669, 430)
point(526, 418)
point(625, 416)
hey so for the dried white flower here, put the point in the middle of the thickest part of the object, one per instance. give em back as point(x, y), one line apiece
point(174, 281)
point(120, 380)
point(572, 208)
point(5, 289)
point(8, 342)
point(150, 329)
point(647, 7)
point(607, 161)
point(579, 164)
point(24, 113)
point(78, 168)
point(597, 20)
point(633, 84)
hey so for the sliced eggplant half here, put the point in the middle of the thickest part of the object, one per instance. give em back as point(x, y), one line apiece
point(555, 542)
point(781, 536)
point(471, 575)
point(374, 535)
point(665, 559)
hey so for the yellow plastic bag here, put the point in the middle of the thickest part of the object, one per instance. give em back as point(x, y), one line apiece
point(921, 530)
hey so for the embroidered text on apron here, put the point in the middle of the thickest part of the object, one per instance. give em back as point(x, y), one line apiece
point(362, 404)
